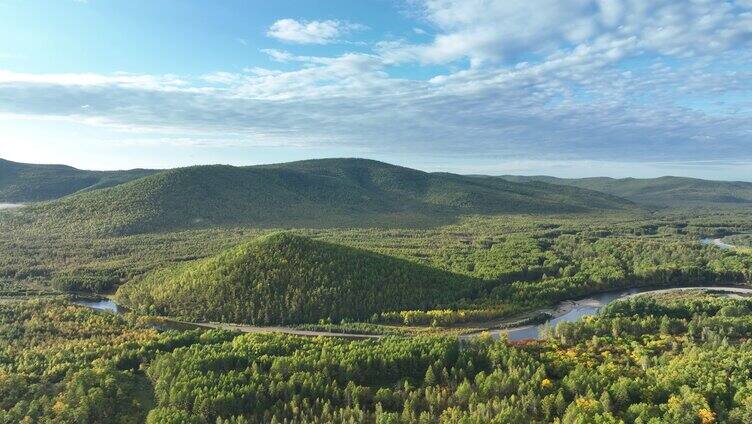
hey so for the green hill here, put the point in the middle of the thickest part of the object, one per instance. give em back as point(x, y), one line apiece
point(22, 182)
point(316, 193)
point(659, 192)
point(284, 278)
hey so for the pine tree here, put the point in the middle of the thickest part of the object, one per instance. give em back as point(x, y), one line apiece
point(430, 377)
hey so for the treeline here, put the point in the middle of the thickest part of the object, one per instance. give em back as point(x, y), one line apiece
point(581, 267)
point(73, 263)
point(444, 317)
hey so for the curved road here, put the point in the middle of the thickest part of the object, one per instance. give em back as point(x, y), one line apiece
point(282, 329)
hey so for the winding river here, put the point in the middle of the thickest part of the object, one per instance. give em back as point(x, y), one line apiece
point(565, 311)
point(572, 310)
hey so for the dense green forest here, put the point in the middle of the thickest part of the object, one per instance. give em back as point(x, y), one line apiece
point(512, 263)
point(66, 363)
point(73, 261)
point(284, 278)
point(674, 192)
point(313, 194)
point(676, 358)
point(23, 182)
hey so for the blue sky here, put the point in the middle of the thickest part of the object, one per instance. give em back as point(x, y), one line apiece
point(567, 88)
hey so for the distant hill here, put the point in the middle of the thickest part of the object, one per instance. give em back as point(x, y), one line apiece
point(315, 193)
point(283, 278)
point(23, 182)
point(659, 192)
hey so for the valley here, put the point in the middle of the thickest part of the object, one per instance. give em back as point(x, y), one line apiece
point(351, 290)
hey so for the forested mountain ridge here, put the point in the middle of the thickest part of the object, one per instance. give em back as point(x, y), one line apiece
point(659, 192)
point(284, 278)
point(23, 182)
point(315, 193)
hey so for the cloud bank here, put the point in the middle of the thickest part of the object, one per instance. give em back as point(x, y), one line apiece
point(310, 32)
point(632, 80)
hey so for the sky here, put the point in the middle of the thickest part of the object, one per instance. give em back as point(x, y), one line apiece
point(570, 88)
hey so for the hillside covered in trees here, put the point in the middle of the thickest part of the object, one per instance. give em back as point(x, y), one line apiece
point(286, 278)
point(316, 193)
point(283, 278)
point(678, 192)
point(23, 182)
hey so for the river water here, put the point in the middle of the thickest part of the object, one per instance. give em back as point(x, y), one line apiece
point(9, 205)
point(573, 310)
point(593, 304)
point(101, 305)
point(583, 308)
point(717, 242)
point(110, 306)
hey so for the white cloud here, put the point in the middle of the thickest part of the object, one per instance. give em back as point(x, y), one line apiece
point(549, 80)
point(220, 77)
point(511, 30)
point(570, 107)
point(163, 82)
point(279, 55)
point(311, 32)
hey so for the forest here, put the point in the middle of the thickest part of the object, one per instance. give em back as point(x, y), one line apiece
point(504, 265)
point(423, 292)
point(674, 358)
point(24, 182)
point(284, 278)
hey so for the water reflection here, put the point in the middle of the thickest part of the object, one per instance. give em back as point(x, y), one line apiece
point(10, 205)
point(591, 306)
point(586, 307)
point(158, 324)
point(717, 242)
point(101, 305)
